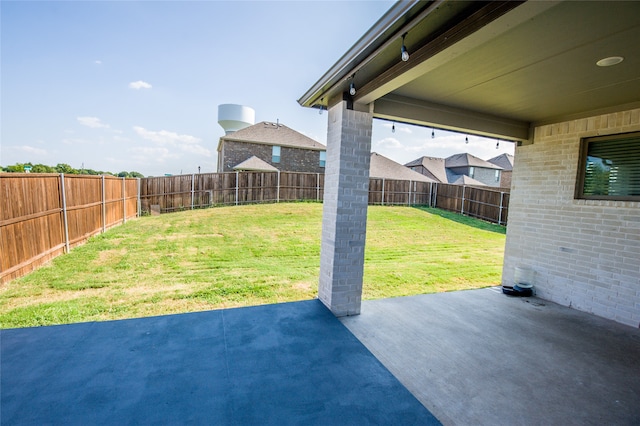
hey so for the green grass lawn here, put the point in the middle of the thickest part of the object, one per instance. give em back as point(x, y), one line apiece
point(247, 255)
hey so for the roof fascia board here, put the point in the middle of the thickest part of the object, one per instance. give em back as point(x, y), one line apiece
point(310, 148)
point(351, 61)
point(408, 110)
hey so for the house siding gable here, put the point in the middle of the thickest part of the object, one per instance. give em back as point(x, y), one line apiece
point(481, 174)
point(291, 159)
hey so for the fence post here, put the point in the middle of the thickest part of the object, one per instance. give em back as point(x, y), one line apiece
point(104, 207)
point(237, 183)
point(409, 197)
point(317, 186)
point(501, 207)
point(193, 180)
point(434, 195)
point(462, 208)
point(278, 189)
point(65, 220)
point(139, 204)
point(124, 201)
point(382, 191)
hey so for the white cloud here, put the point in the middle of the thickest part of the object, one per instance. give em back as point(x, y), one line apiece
point(97, 62)
point(137, 85)
point(185, 143)
point(166, 137)
point(93, 122)
point(31, 150)
point(196, 149)
point(388, 143)
point(121, 138)
point(158, 155)
point(83, 141)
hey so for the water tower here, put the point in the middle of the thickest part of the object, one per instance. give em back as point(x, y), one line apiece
point(234, 117)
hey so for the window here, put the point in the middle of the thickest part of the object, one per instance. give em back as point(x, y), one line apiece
point(472, 171)
point(323, 158)
point(610, 168)
point(275, 154)
point(497, 175)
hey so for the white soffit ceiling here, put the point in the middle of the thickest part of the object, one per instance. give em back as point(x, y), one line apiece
point(543, 68)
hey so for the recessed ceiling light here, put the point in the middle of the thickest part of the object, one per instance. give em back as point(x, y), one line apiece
point(611, 60)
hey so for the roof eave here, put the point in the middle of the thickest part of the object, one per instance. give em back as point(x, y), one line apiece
point(359, 53)
point(310, 148)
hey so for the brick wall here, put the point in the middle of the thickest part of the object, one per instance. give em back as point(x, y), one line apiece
point(505, 179)
point(486, 176)
point(585, 253)
point(291, 159)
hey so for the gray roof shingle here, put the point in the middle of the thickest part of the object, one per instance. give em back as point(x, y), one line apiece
point(504, 160)
point(467, 160)
point(273, 134)
point(434, 167)
point(383, 167)
point(456, 179)
point(255, 164)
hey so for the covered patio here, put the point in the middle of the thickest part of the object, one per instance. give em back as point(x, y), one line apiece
point(479, 357)
point(471, 357)
point(560, 79)
point(506, 70)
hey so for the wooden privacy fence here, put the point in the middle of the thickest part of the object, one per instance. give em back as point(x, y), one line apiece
point(483, 203)
point(400, 192)
point(171, 193)
point(44, 215)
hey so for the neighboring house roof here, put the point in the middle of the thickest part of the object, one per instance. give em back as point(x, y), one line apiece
point(434, 167)
point(456, 179)
point(273, 134)
point(255, 164)
point(383, 167)
point(468, 160)
point(505, 161)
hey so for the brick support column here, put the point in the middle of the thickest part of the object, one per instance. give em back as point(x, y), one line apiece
point(344, 218)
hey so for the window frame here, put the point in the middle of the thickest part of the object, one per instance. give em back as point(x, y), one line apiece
point(582, 164)
point(275, 158)
point(323, 161)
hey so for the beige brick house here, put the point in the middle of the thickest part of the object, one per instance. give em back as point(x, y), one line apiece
point(560, 79)
point(269, 146)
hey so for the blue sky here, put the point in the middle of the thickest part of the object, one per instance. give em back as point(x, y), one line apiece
point(135, 86)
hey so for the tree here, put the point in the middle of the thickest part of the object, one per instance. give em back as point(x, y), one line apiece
point(65, 168)
point(41, 168)
point(16, 168)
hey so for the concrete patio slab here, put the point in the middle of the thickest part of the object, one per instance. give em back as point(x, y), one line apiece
point(480, 357)
point(291, 363)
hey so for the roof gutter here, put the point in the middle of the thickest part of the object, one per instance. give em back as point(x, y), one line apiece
point(372, 41)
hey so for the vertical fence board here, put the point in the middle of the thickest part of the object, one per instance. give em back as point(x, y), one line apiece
point(31, 216)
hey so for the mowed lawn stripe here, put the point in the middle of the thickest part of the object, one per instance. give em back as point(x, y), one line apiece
point(247, 255)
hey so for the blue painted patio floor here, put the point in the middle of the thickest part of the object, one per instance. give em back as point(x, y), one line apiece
point(291, 363)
